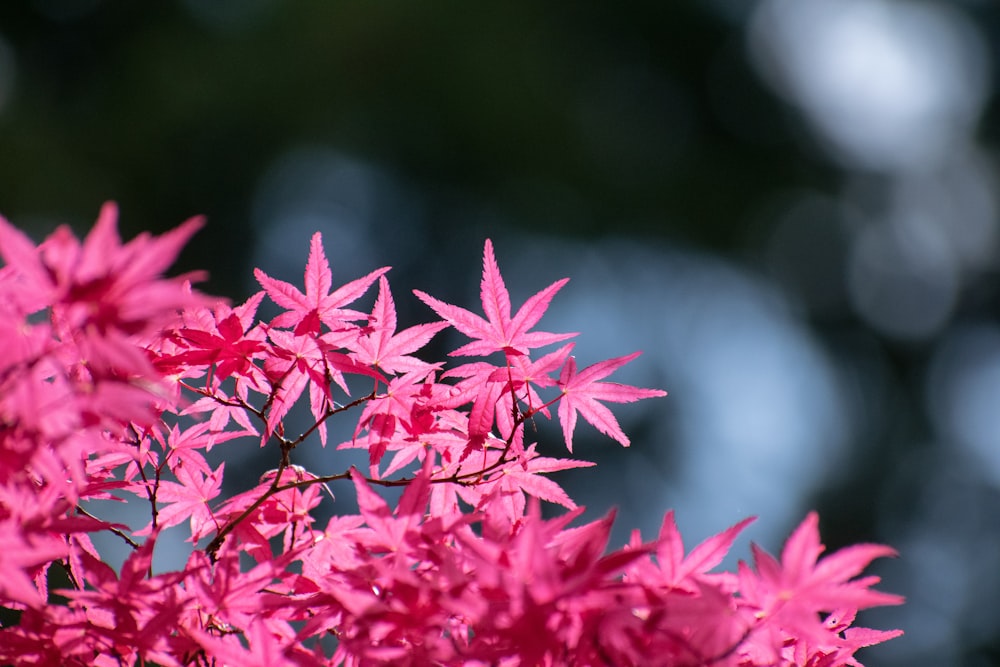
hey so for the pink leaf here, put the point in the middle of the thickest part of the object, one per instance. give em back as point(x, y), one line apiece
point(582, 391)
point(498, 332)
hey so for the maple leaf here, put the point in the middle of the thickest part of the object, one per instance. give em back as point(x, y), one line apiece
point(189, 497)
point(317, 305)
point(20, 553)
point(101, 282)
point(134, 609)
point(525, 476)
point(523, 374)
point(387, 350)
point(790, 595)
point(828, 580)
point(270, 512)
point(546, 590)
point(678, 571)
point(496, 392)
point(223, 410)
point(389, 529)
point(582, 391)
point(297, 362)
point(29, 285)
point(427, 425)
point(228, 340)
point(499, 332)
point(388, 419)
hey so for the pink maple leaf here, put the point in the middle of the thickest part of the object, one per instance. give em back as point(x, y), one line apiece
point(582, 391)
point(828, 581)
point(134, 609)
point(790, 595)
point(499, 332)
point(23, 551)
point(526, 476)
point(189, 496)
point(674, 570)
point(524, 374)
point(384, 348)
point(318, 304)
point(222, 410)
point(297, 362)
point(227, 339)
point(389, 529)
point(101, 282)
point(496, 392)
point(388, 419)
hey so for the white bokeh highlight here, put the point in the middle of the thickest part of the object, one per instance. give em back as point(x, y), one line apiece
point(887, 85)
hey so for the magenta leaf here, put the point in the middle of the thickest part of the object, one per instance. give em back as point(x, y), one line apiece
point(498, 332)
point(305, 311)
point(582, 393)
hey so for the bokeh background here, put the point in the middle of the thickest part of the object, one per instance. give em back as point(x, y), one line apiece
point(790, 205)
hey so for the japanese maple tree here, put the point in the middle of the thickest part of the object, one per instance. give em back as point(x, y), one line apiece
point(117, 382)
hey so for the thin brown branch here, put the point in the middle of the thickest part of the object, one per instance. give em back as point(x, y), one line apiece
point(117, 531)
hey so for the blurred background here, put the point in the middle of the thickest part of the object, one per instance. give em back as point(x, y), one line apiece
point(791, 206)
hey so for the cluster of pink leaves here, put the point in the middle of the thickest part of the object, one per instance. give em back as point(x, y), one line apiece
point(116, 381)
